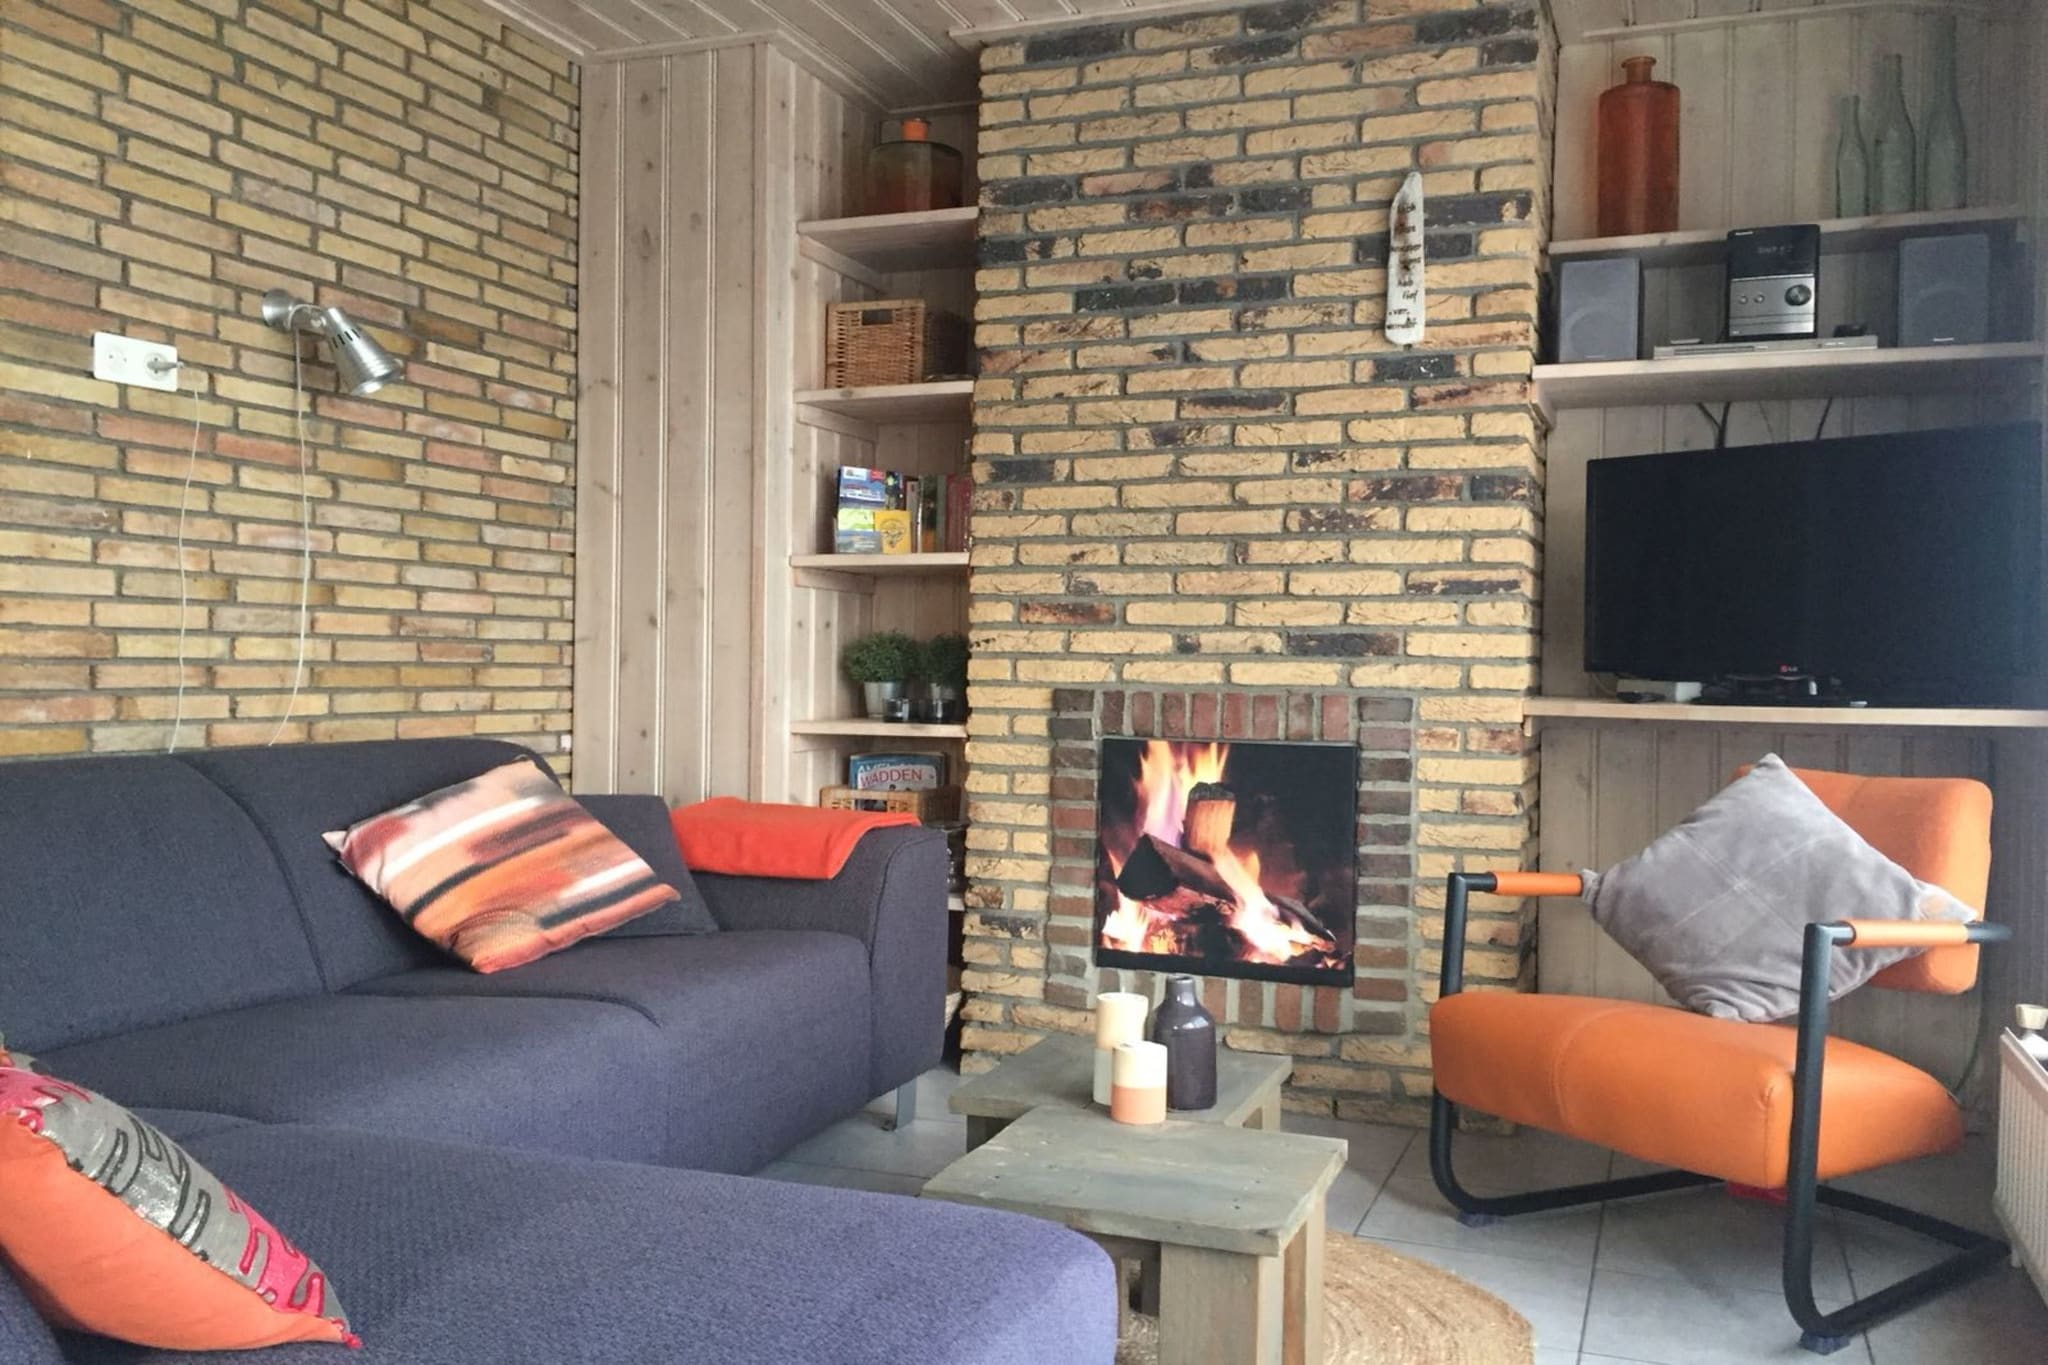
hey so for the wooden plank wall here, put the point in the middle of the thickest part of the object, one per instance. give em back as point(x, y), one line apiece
point(1758, 92)
point(817, 613)
point(1734, 174)
point(2020, 973)
point(698, 477)
point(684, 337)
point(1758, 125)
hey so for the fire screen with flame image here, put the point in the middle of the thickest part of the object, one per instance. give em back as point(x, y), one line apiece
point(1232, 859)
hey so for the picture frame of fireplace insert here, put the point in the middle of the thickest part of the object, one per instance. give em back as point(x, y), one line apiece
point(1234, 858)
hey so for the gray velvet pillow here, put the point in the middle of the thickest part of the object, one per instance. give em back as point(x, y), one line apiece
point(1717, 906)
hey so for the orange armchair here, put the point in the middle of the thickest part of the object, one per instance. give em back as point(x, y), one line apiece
point(1719, 1100)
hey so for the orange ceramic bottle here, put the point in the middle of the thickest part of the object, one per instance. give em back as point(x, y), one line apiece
point(1638, 154)
point(913, 173)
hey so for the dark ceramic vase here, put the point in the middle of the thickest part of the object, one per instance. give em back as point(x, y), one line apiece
point(1189, 1034)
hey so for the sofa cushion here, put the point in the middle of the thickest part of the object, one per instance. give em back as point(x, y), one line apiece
point(765, 1033)
point(501, 869)
point(642, 823)
point(135, 893)
point(518, 1259)
point(24, 1338)
point(576, 1076)
point(296, 793)
point(117, 1230)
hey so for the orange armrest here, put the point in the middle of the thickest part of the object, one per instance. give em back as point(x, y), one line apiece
point(1538, 884)
point(1909, 933)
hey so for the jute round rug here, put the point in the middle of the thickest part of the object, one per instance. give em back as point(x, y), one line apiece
point(1385, 1309)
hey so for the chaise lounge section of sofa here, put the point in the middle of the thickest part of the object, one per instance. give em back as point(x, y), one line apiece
point(175, 934)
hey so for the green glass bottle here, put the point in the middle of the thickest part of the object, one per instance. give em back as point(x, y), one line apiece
point(1944, 149)
point(1893, 184)
point(1852, 163)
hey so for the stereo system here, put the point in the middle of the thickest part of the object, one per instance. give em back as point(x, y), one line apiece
point(1773, 282)
point(1600, 309)
point(1775, 279)
point(1945, 290)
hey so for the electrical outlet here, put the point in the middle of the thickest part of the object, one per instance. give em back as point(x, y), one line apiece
point(124, 360)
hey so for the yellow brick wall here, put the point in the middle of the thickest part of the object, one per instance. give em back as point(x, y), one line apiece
point(162, 163)
point(1207, 484)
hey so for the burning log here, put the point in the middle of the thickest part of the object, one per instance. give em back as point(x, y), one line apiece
point(1157, 869)
point(1299, 916)
point(1212, 811)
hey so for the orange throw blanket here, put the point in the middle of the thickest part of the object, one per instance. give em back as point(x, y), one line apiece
point(754, 839)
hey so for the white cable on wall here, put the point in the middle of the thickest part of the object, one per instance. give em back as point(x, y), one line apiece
point(305, 540)
point(184, 593)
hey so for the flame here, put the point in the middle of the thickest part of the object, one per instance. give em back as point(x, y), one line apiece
point(1167, 777)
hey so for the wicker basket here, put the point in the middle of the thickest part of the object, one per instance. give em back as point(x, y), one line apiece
point(936, 805)
point(891, 341)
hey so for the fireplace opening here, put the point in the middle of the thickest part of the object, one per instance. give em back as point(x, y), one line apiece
point(1232, 859)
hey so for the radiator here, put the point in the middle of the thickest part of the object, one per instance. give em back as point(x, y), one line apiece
point(2023, 1157)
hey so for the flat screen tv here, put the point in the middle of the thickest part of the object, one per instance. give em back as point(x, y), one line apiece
point(1906, 567)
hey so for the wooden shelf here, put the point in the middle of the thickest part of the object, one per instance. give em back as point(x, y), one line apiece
point(885, 566)
point(948, 400)
point(1784, 374)
point(1837, 235)
point(861, 727)
point(932, 240)
point(1793, 717)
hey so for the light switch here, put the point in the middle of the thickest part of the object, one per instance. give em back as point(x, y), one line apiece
point(124, 360)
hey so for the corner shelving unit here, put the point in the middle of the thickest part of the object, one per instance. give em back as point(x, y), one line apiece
point(934, 239)
point(1886, 371)
point(860, 727)
point(1791, 717)
point(826, 599)
point(1631, 407)
point(944, 400)
point(1768, 375)
point(1838, 236)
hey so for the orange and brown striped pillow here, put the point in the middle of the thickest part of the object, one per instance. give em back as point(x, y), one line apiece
point(501, 869)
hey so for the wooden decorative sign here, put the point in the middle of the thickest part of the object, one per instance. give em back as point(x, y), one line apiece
point(1407, 285)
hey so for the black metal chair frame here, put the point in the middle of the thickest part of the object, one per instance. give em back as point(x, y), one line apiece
point(1821, 1333)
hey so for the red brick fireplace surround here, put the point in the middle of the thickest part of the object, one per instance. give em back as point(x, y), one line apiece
point(1213, 501)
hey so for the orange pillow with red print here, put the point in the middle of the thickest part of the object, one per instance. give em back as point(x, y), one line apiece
point(113, 1228)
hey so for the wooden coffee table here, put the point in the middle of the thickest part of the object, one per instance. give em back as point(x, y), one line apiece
point(1227, 1222)
point(1059, 1073)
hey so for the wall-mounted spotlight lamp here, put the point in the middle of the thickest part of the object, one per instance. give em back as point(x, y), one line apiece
point(363, 365)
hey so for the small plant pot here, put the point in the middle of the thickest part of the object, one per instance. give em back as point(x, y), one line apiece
point(884, 700)
point(945, 704)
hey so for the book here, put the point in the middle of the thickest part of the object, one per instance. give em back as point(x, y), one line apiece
point(896, 772)
point(854, 532)
point(959, 508)
point(927, 528)
point(862, 493)
point(892, 524)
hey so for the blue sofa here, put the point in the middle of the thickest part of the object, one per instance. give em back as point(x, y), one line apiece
point(543, 1165)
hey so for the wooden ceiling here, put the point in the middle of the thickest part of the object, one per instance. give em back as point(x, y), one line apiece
point(906, 52)
point(915, 52)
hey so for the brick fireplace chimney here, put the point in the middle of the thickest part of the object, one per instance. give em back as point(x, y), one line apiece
point(1213, 501)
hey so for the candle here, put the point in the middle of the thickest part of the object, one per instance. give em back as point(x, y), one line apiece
point(1119, 1019)
point(1138, 1084)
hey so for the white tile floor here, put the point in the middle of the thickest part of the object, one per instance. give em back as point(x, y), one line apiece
point(1682, 1279)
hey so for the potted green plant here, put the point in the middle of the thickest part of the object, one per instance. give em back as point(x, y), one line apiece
point(882, 664)
point(943, 670)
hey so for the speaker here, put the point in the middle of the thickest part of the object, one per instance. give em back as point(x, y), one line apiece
point(1600, 310)
point(1945, 290)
